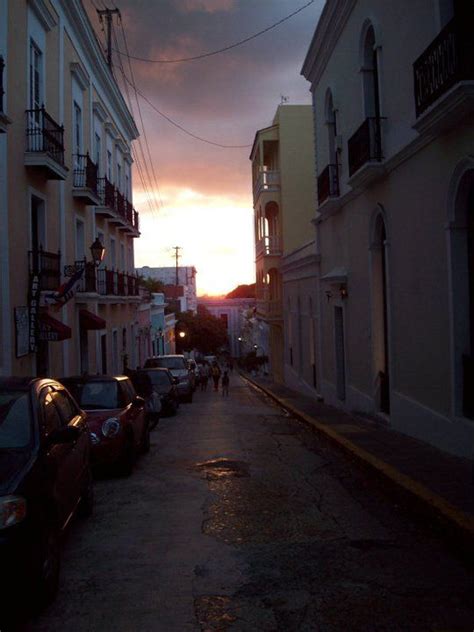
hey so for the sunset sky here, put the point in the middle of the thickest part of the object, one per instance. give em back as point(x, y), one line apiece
point(203, 198)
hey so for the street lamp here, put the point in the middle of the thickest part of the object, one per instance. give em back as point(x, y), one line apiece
point(98, 252)
point(182, 334)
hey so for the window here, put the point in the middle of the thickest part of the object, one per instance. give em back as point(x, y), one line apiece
point(127, 187)
point(119, 176)
point(77, 124)
point(97, 151)
point(80, 239)
point(50, 415)
point(122, 256)
point(113, 255)
point(36, 87)
point(109, 165)
point(67, 408)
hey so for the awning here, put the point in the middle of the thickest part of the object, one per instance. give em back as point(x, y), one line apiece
point(89, 320)
point(336, 275)
point(52, 329)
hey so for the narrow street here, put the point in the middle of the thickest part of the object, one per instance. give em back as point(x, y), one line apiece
point(241, 518)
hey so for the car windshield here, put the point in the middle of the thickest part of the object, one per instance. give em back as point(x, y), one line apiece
point(159, 378)
point(15, 420)
point(95, 395)
point(171, 363)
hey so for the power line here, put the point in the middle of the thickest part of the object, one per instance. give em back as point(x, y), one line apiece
point(140, 113)
point(152, 205)
point(225, 48)
point(183, 129)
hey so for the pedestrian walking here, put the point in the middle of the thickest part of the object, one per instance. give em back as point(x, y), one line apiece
point(204, 376)
point(225, 384)
point(216, 374)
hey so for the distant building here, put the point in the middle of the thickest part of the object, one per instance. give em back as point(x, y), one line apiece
point(186, 281)
point(231, 311)
point(285, 250)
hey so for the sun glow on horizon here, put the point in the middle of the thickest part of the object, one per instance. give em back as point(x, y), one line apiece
point(214, 232)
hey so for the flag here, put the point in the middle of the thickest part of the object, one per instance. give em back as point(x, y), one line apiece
point(65, 292)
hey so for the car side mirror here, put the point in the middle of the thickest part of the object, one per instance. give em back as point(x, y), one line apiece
point(66, 434)
point(138, 401)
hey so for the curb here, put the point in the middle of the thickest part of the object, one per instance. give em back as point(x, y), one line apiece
point(455, 522)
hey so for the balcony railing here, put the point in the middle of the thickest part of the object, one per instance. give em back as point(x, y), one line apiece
point(117, 203)
point(328, 183)
point(447, 60)
point(266, 180)
point(2, 91)
point(365, 145)
point(113, 283)
point(85, 173)
point(44, 135)
point(48, 266)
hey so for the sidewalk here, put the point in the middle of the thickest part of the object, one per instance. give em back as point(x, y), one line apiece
point(437, 485)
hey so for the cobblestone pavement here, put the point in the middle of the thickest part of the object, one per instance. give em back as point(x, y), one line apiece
point(242, 519)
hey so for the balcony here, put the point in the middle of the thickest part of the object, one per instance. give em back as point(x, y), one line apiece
point(45, 145)
point(48, 266)
point(444, 77)
point(266, 181)
point(365, 153)
point(115, 207)
point(328, 183)
point(85, 183)
point(4, 120)
point(113, 283)
point(269, 246)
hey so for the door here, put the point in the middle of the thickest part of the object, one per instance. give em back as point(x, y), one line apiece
point(340, 352)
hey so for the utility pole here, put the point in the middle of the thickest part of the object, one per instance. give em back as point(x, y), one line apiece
point(108, 13)
point(177, 256)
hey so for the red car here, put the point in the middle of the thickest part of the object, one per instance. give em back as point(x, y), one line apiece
point(116, 419)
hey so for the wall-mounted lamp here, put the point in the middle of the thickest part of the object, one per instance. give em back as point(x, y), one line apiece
point(328, 295)
point(343, 291)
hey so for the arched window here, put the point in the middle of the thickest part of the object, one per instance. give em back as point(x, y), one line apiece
point(370, 72)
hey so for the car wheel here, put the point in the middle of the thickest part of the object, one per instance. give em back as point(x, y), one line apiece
point(145, 444)
point(47, 564)
point(127, 458)
point(86, 506)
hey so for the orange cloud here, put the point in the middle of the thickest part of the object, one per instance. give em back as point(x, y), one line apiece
point(205, 6)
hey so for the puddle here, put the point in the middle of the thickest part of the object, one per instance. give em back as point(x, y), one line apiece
point(223, 468)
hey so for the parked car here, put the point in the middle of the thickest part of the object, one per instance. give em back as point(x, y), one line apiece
point(143, 386)
point(45, 478)
point(116, 419)
point(165, 385)
point(179, 368)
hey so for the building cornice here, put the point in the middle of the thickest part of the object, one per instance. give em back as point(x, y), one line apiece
point(331, 23)
point(43, 14)
point(80, 75)
point(92, 51)
point(99, 111)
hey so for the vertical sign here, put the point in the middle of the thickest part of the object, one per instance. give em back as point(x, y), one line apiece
point(33, 306)
point(22, 332)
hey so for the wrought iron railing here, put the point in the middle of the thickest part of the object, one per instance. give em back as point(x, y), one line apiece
point(328, 183)
point(114, 283)
point(120, 204)
point(136, 221)
point(447, 60)
point(44, 135)
point(106, 191)
point(365, 145)
point(85, 173)
point(48, 266)
point(2, 91)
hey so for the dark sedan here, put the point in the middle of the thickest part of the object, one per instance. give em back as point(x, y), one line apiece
point(45, 477)
point(116, 418)
point(165, 385)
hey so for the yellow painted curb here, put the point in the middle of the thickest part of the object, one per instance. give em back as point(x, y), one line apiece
point(455, 516)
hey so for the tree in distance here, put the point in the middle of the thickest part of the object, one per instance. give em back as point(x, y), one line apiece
point(203, 331)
